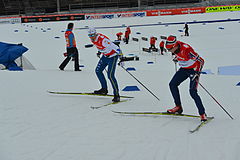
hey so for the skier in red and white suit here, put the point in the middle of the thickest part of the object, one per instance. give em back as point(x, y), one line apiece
point(190, 66)
point(111, 53)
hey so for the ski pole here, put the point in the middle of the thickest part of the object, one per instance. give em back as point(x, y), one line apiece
point(215, 100)
point(175, 62)
point(175, 66)
point(140, 83)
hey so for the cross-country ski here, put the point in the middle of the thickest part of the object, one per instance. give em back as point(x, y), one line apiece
point(85, 93)
point(201, 124)
point(108, 104)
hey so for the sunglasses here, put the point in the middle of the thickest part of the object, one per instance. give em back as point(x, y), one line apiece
point(91, 35)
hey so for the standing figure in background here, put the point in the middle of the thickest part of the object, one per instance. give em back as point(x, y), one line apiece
point(190, 67)
point(152, 43)
point(186, 29)
point(110, 54)
point(119, 36)
point(72, 51)
point(161, 45)
point(127, 34)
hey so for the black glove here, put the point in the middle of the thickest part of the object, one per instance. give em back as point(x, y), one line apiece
point(99, 54)
point(175, 59)
point(121, 62)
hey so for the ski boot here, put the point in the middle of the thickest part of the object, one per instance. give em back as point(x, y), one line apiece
point(177, 109)
point(116, 98)
point(103, 91)
point(203, 117)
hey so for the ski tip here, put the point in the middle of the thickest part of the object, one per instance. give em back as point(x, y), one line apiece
point(49, 91)
point(93, 107)
point(210, 118)
point(126, 97)
point(117, 112)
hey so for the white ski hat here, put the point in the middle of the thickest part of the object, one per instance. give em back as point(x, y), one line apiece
point(92, 30)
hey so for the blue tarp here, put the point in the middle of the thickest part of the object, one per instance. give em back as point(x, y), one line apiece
point(131, 88)
point(229, 70)
point(131, 69)
point(9, 53)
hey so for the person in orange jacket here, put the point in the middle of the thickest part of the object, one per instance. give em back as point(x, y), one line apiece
point(119, 36)
point(72, 51)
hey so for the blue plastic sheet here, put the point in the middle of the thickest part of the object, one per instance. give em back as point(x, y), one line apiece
point(229, 70)
point(9, 53)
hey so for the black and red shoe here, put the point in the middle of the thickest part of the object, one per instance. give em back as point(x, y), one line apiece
point(177, 109)
point(203, 117)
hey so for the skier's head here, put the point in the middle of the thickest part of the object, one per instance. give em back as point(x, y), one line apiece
point(92, 33)
point(70, 26)
point(171, 43)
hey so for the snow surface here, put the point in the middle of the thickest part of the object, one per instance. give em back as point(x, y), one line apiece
point(35, 125)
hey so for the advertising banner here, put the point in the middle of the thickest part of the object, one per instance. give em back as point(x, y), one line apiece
point(10, 20)
point(115, 15)
point(33, 19)
point(196, 10)
point(180, 11)
point(152, 13)
point(130, 14)
point(223, 8)
point(161, 12)
point(99, 16)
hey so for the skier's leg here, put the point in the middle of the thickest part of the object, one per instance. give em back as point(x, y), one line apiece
point(99, 71)
point(111, 74)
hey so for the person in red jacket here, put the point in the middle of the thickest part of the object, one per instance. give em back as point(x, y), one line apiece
point(190, 66)
point(152, 43)
point(161, 45)
point(119, 36)
point(127, 34)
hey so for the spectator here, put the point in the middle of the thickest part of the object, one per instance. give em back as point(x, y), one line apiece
point(119, 36)
point(152, 43)
point(127, 34)
point(72, 51)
